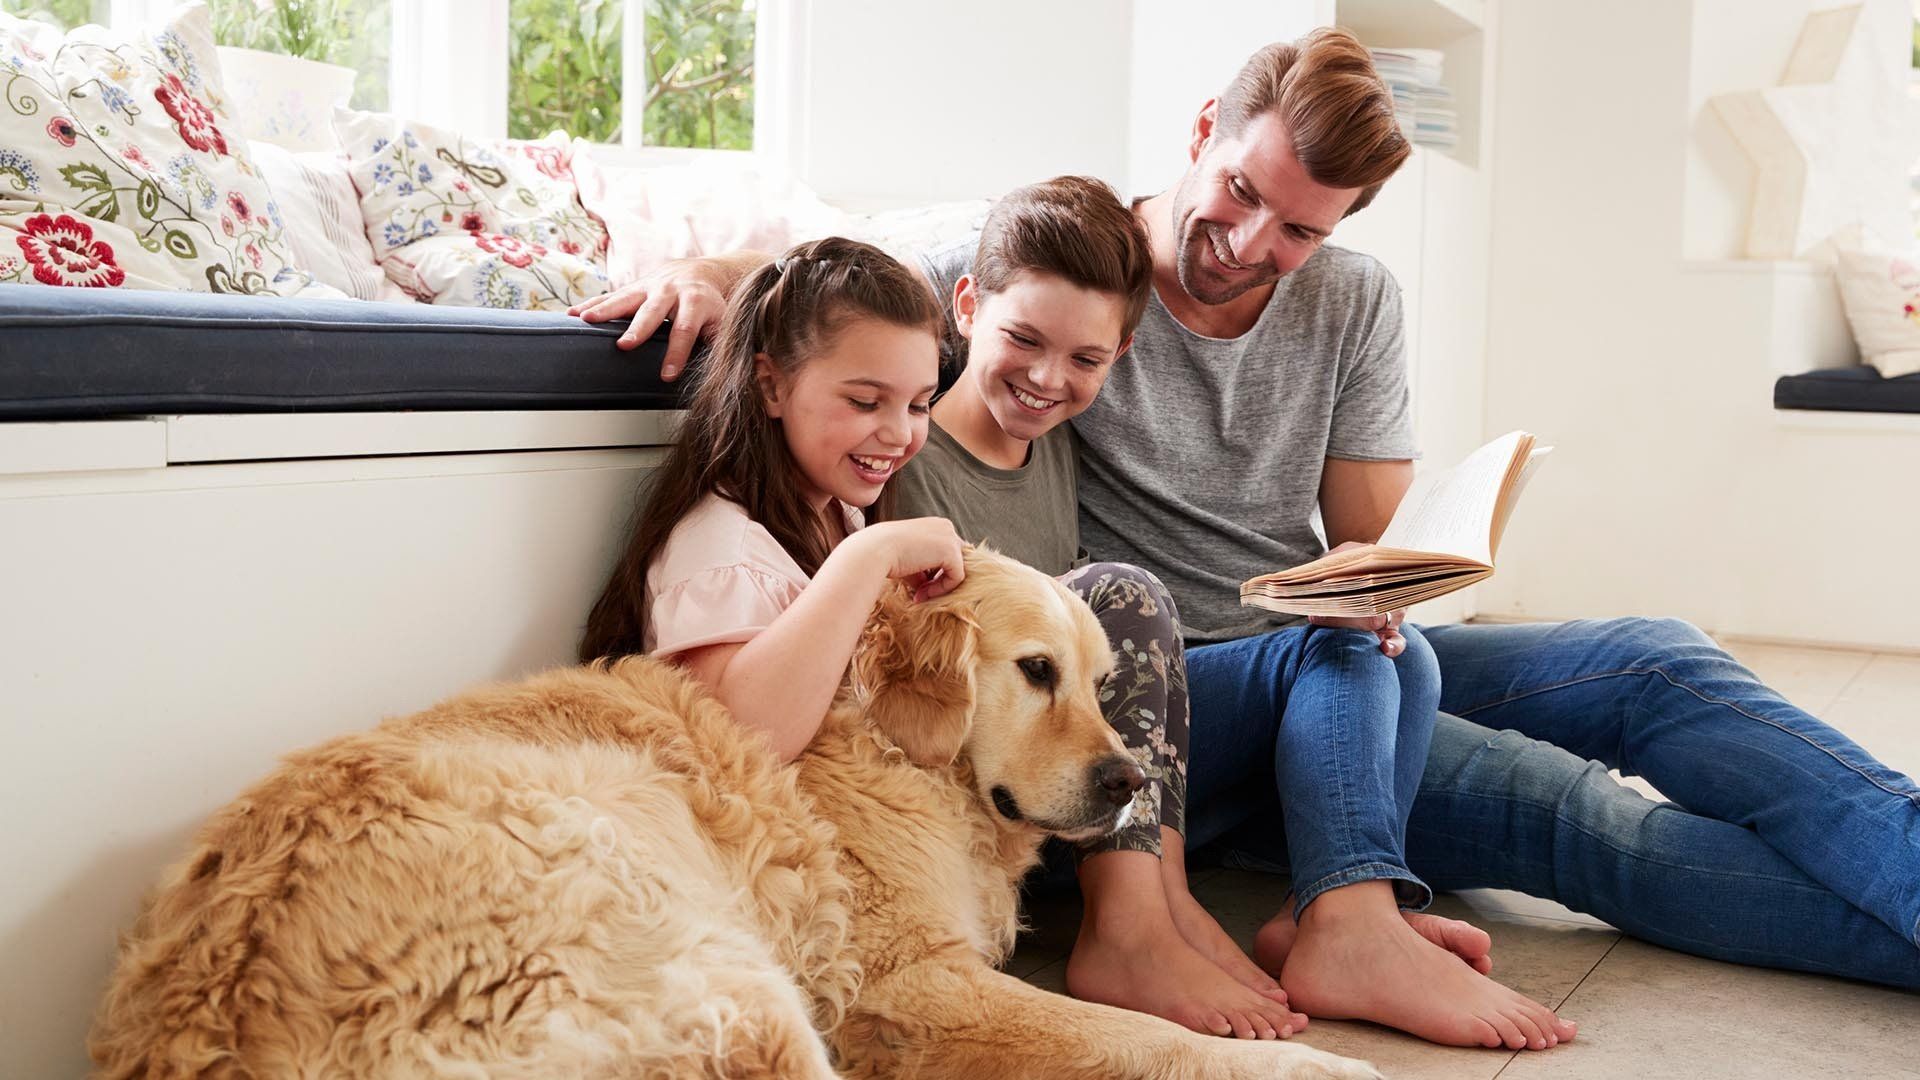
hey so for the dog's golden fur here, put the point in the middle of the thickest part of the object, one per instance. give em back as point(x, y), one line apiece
point(597, 873)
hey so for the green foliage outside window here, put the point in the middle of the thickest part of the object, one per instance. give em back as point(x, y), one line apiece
point(565, 70)
point(65, 14)
point(700, 73)
point(352, 33)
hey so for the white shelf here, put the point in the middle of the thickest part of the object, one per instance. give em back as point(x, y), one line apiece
point(1421, 24)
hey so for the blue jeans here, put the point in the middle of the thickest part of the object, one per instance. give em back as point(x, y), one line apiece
point(1324, 716)
point(1785, 844)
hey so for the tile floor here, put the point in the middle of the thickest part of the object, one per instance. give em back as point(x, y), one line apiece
point(1645, 1013)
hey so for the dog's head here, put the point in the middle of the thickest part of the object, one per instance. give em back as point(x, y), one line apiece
point(1005, 672)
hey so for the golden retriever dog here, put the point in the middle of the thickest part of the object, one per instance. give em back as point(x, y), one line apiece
point(597, 873)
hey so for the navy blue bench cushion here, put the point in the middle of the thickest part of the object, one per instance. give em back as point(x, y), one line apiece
point(1850, 389)
point(90, 353)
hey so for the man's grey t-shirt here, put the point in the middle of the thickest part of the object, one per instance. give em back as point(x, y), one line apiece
point(1201, 458)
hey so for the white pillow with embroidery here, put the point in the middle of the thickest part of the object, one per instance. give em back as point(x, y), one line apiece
point(481, 269)
point(421, 183)
point(1882, 296)
point(120, 166)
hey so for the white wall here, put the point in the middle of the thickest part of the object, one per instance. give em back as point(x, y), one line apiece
point(1180, 60)
point(1676, 488)
point(916, 102)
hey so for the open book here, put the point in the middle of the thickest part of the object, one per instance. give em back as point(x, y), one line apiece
point(1442, 538)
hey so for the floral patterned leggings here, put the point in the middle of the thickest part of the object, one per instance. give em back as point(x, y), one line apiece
point(1146, 700)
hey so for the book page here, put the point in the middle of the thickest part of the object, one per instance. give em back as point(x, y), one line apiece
point(1453, 512)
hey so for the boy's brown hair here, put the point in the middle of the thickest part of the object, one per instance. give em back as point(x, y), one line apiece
point(1334, 105)
point(1075, 228)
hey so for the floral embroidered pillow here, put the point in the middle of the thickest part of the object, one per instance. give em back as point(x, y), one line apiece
point(418, 183)
point(496, 270)
point(117, 169)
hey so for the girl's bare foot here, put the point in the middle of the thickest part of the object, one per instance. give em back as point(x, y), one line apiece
point(1463, 939)
point(1202, 931)
point(1357, 959)
point(1156, 971)
point(1132, 955)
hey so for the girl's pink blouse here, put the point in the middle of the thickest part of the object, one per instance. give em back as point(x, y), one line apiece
point(720, 578)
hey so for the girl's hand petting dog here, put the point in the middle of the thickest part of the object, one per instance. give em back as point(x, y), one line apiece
point(1387, 626)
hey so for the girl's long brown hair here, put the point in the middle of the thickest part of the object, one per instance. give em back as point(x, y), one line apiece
point(727, 445)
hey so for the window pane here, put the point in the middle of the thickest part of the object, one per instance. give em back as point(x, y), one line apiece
point(65, 14)
point(700, 73)
point(352, 33)
point(563, 64)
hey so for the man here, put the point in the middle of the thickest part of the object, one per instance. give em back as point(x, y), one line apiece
point(1267, 378)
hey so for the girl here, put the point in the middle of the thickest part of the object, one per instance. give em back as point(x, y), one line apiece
point(749, 566)
point(1059, 280)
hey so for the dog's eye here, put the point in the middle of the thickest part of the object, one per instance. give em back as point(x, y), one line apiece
point(1039, 670)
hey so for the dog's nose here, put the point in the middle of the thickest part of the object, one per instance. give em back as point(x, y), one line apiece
point(1119, 778)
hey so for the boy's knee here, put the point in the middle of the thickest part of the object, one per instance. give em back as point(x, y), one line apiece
point(1125, 594)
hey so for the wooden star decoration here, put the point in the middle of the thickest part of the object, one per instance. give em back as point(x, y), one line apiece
point(1831, 145)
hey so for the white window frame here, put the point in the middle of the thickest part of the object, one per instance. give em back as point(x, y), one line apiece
point(448, 67)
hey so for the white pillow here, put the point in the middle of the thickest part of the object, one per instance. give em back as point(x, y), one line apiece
point(1882, 296)
point(317, 200)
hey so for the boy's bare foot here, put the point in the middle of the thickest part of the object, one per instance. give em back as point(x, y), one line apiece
point(1357, 959)
point(1463, 939)
point(1158, 972)
point(1202, 931)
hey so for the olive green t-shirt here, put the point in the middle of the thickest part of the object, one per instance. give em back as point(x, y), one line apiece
point(1029, 513)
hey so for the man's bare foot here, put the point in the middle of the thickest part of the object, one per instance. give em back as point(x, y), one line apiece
point(1357, 959)
point(1463, 939)
point(1157, 972)
point(1202, 931)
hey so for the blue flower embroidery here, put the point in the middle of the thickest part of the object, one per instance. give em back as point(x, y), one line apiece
point(382, 173)
point(15, 168)
point(425, 174)
point(379, 145)
point(427, 227)
point(394, 234)
point(405, 188)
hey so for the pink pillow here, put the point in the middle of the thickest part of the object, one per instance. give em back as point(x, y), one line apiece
point(709, 206)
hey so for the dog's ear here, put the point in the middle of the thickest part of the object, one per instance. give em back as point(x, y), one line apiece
point(915, 662)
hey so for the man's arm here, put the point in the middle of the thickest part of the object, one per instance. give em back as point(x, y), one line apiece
point(1358, 498)
point(691, 292)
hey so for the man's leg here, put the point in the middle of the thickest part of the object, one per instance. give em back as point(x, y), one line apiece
point(1656, 698)
point(1500, 810)
point(1316, 715)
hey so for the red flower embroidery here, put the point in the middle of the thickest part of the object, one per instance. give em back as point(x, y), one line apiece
point(226, 224)
point(239, 204)
point(253, 253)
point(549, 160)
point(471, 221)
point(512, 250)
point(570, 247)
point(132, 153)
point(62, 130)
point(194, 119)
point(62, 251)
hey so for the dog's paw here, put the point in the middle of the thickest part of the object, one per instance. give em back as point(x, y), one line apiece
point(1296, 1061)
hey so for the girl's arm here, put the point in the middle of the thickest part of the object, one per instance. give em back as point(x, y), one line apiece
point(783, 680)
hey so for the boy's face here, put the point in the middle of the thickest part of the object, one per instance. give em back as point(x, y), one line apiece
point(1040, 349)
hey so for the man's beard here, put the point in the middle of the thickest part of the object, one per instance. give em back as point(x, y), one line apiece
point(1197, 276)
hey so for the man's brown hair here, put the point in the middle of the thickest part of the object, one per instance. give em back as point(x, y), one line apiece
point(1333, 104)
point(1075, 228)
